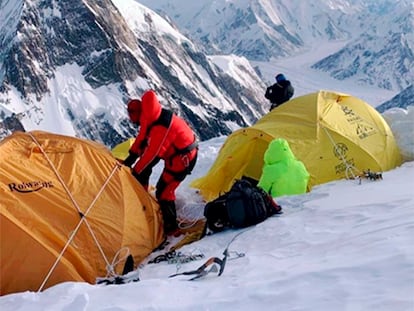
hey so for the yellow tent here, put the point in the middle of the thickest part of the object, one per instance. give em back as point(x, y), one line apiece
point(335, 135)
point(68, 209)
point(121, 150)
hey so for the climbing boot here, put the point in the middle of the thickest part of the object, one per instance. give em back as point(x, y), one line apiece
point(169, 215)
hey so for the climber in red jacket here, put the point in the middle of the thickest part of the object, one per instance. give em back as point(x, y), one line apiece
point(162, 135)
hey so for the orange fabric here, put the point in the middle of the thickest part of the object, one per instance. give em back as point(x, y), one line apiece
point(38, 215)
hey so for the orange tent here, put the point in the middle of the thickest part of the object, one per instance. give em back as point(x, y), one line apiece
point(68, 210)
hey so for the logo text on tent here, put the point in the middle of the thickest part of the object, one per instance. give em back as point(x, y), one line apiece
point(30, 186)
point(363, 129)
point(342, 167)
point(351, 116)
point(340, 151)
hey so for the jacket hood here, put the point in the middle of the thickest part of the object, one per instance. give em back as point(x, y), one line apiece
point(284, 83)
point(134, 110)
point(277, 151)
point(150, 108)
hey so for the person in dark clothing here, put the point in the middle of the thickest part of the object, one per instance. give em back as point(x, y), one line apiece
point(279, 92)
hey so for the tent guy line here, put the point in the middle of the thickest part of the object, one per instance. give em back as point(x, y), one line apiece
point(82, 216)
point(70, 230)
point(349, 167)
point(330, 130)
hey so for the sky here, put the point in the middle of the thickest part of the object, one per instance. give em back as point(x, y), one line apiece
point(345, 245)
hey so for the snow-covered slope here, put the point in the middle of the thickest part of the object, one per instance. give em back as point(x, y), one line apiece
point(343, 246)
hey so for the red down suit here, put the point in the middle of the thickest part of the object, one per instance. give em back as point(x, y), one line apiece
point(163, 135)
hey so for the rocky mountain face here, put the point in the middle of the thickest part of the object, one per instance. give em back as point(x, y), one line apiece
point(383, 55)
point(402, 100)
point(389, 66)
point(120, 49)
point(74, 63)
point(379, 33)
point(256, 29)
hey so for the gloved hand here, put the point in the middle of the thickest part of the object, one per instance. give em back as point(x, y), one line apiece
point(141, 179)
point(131, 159)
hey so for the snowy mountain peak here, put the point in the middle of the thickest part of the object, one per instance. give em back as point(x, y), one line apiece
point(265, 30)
point(69, 66)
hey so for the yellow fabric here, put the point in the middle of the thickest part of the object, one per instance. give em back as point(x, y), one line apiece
point(121, 151)
point(191, 234)
point(313, 125)
point(38, 215)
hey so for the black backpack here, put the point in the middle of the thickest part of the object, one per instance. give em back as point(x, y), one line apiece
point(244, 205)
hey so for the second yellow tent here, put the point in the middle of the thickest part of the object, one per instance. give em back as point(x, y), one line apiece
point(335, 135)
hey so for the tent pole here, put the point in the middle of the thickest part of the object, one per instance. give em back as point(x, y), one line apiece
point(82, 215)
